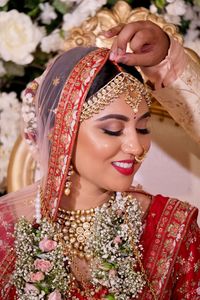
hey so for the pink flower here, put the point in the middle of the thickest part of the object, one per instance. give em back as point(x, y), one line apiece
point(31, 288)
point(117, 240)
point(47, 245)
point(55, 295)
point(38, 276)
point(43, 265)
point(119, 212)
point(112, 273)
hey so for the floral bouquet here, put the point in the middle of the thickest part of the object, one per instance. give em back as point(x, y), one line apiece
point(41, 270)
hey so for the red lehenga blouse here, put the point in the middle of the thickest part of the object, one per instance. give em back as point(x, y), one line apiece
point(171, 241)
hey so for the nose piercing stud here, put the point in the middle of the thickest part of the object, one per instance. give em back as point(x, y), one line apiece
point(140, 158)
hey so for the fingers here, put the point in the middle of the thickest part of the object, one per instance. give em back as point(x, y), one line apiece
point(128, 32)
point(132, 59)
point(147, 40)
point(141, 40)
point(113, 31)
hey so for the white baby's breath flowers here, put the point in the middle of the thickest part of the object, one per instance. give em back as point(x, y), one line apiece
point(85, 9)
point(115, 248)
point(48, 13)
point(52, 42)
point(19, 37)
point(9, 130)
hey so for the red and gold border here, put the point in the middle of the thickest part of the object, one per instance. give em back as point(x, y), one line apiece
point(66, 125)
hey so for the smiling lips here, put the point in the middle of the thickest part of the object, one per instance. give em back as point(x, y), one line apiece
point(125, 167)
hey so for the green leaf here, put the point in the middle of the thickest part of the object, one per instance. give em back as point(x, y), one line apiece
point(197, 2)
point(160, 3)
point(4, 8)
point(31, 4)
point(110, 297)
point(34, 12)
point(108, 266)
point(61, 7)
point(13, 69)
point(111, 2)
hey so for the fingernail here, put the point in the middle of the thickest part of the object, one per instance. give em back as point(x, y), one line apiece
point(112, 56)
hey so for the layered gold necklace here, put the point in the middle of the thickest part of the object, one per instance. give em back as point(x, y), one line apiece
point(74, 228)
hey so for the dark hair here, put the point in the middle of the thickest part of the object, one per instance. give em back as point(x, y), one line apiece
point(62, 67)
point(107, 73)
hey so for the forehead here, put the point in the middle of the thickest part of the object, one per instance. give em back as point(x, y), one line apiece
point(120, 106)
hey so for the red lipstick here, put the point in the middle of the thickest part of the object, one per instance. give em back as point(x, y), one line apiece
point(125, 167)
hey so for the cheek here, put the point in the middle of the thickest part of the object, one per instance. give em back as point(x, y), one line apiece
point(92, 148)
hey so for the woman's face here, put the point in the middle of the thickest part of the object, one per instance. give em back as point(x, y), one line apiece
point(107, 145)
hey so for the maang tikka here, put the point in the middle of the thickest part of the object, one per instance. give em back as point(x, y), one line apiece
point(68, 183)
point(122, 83)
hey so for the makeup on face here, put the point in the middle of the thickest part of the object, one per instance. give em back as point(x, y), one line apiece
point(107, 144)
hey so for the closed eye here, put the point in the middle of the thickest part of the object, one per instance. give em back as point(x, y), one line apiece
point(114, 133)
point(143, 130)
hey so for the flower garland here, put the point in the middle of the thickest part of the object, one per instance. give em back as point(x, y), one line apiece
point(42, 271)
point(115, 264)
point(41, 268)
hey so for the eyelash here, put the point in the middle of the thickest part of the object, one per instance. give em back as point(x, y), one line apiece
point(118, 133)
point(115, 133)
point(143, 130)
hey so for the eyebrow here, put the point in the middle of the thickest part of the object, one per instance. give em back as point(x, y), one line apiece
point(122, 117)
point(145, 115)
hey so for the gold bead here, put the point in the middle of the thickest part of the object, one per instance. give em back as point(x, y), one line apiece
point(67, 191)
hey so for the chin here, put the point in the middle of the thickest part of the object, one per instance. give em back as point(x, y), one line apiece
point(120, 187)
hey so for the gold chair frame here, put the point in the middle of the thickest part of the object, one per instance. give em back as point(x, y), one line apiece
point(22, 166)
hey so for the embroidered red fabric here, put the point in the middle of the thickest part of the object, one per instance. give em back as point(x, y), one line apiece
point(171, 240)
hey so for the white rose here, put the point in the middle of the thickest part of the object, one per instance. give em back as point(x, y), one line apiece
point(3, 2)
point(172, 19)
point(153, 9)
point(52, 42)
point(85, 9)
point(191, 36)
point(189, 14)
point(19, 37)
point(10, 128)
point(177, 8)
point(48, 13)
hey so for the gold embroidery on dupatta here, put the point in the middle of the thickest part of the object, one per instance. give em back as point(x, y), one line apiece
point(172, 225)
point(78, 84)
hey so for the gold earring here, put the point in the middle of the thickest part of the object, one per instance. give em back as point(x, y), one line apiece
point(68, 181)
point(140, 158)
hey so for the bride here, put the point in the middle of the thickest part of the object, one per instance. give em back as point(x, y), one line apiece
point(87, 234)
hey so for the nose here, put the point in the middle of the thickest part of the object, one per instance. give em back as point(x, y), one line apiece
point(132, 145)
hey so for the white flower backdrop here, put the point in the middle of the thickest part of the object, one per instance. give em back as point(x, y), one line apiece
point(33, 31)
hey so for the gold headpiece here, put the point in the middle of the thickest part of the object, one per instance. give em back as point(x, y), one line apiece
point(121, 83)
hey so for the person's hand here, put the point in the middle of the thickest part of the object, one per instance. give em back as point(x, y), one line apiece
point(147, 40)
